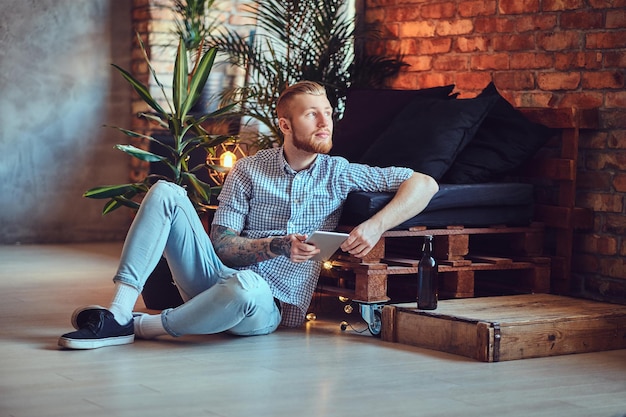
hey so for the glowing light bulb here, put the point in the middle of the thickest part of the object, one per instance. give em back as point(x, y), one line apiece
point(228, 159)
point(343, 299)
point(311, 316)
point(327, 265)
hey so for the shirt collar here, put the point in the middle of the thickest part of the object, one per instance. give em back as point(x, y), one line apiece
point(289, 170)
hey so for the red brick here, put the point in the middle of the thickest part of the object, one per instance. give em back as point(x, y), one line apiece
point(433, 46)
point(615, 99)
point(607, 4)
point(584, 100)
point(402, 14)
point(375, 16)
point(528, 60)
point(613, 267)
point(593, 139)
point(535, 22)
point(603, 80)
point(600, 245)
point(455, 27)
point(614, 119)
point(601, 202)
point(473, 80)
point(451, 63)
point(558, 80)
point(417, 29)
point(406, 81)
point(606, 160)
point(518, 6)
point(477, 8)
point(615, 19)
point(619, 182)
point(557, 5)
point(434, 79)
point(534, 99)
point(381, 3)
point(419, 63)
point(514, 80)
point(607, 40)
point(581, 20)
point(594, 180)
point(559, 41)
point(514, 42)
point(573, 60)
point(614, 223)
point(439, 10)
point(471, 44)
point(617, 139)
point(494, 25)
point(492, 61)
point(614, 59)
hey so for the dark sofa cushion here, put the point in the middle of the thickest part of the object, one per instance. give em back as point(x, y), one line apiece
point(470, 205)
point(369, 112)
point(504, 141)
point(428, 133)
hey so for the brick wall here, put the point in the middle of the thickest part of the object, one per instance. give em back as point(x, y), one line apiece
point(540, 53)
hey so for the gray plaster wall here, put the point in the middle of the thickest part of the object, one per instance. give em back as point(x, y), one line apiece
point(57, 89)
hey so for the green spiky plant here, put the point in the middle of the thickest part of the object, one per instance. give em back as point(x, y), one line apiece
point(294, 40)
point(186, 132)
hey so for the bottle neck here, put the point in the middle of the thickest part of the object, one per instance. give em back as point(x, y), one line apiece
point(427, 247)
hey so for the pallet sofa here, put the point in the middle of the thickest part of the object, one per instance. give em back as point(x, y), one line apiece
point(505, 211)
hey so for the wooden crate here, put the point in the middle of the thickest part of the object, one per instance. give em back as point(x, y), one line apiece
point(493, 329)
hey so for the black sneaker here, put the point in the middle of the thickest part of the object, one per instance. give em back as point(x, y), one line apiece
point(81, 315)
point(99, 329)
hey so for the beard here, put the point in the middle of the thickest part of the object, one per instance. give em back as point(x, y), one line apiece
point(310, 145)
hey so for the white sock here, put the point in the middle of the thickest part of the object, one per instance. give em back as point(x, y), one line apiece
point(123, 302)
point(149, 326)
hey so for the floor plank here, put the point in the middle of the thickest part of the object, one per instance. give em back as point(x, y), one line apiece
point(314, 371)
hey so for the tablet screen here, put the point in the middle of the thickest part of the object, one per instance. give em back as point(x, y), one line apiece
point(327, 243)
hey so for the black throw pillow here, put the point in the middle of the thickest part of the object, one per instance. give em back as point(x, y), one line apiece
point(369, 112)
point(428, 134)
point(505, 140)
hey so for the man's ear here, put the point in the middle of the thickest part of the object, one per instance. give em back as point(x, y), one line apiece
point(284, 125)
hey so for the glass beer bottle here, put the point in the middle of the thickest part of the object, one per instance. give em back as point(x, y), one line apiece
point(427, 277)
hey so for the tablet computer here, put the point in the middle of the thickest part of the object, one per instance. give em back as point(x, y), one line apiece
point(327, 243)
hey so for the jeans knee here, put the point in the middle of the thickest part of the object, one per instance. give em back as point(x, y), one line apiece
point(245, 287)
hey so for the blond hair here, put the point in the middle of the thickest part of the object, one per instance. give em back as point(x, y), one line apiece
point(302, 87)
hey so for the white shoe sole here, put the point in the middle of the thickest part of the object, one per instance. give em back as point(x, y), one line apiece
point(95, 343)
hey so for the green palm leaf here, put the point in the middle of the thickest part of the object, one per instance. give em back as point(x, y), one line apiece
point(141, 154)
point(110, 191)
point(198, 80)
point(141, 89)
point(179, 89)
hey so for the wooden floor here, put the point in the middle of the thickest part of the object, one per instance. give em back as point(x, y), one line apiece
point(314, 371)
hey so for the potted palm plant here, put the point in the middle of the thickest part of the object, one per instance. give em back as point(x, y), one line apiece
point(186, 135)
point(294, 40)
point(185, 130)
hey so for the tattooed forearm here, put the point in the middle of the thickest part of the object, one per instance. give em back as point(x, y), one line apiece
point(281, 246)
point(236, 251)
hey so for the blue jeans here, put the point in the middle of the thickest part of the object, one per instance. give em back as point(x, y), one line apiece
point(217, 298)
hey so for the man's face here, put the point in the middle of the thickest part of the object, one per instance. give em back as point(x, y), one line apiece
point(311, 123)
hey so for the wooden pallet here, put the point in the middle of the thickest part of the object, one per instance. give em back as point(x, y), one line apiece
point(398, 252)
point(492, 329)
